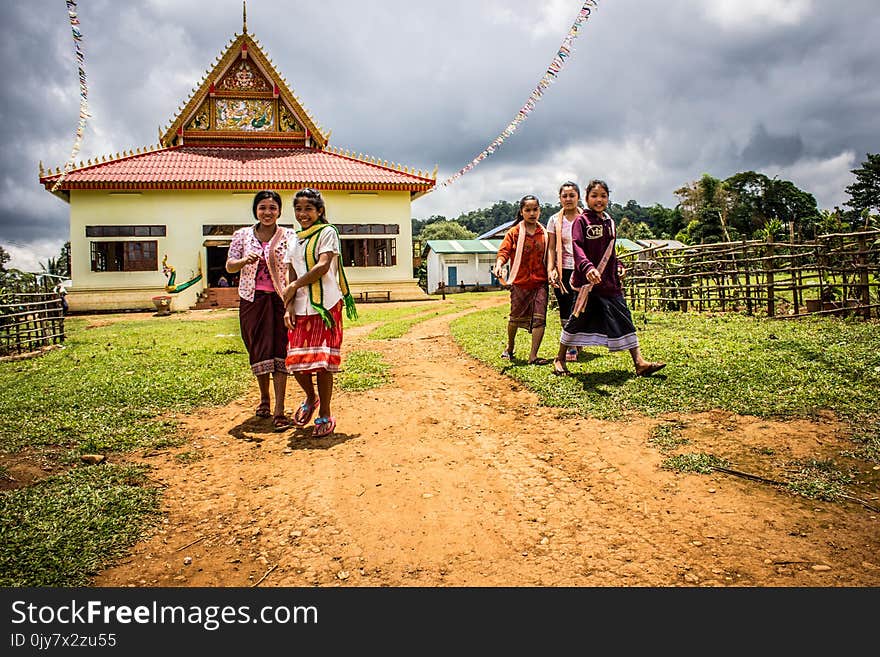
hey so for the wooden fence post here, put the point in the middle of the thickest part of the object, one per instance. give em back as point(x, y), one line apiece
point(768, 265)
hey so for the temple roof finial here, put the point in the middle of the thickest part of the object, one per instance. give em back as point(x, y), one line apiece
point(244, 16)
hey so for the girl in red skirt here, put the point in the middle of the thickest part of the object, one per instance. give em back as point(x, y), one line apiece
point(313, 300)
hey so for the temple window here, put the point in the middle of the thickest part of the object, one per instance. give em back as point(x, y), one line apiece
point(125, 256)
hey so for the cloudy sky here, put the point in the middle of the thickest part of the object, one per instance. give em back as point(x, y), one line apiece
point(654, 95)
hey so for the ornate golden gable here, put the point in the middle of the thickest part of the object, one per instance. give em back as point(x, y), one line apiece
point(243, 100)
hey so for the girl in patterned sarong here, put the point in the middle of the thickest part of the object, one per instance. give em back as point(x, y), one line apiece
point(600, 316)
point(525, 246)
point(314, 300)
point(256, 253)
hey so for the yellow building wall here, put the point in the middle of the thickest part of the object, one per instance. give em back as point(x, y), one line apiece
point(184, 212)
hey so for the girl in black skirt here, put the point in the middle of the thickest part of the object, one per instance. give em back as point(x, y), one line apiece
point(605, 320)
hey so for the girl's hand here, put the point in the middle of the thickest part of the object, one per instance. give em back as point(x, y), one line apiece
point(594, 276)
point(251, 258)
point(289, 320)
point(554, 278)
point(621, 270)
point(289, 293)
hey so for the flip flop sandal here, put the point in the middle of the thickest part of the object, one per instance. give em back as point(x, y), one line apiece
point(650, 368)
point(571, 355)
point(540, 361)
point(281, 423)
point(263, 410)
point(305, 412)
point(324, 426)
point(506, 355)
point(560, 371)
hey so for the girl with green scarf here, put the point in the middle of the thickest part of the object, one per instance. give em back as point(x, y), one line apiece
point(314, 299)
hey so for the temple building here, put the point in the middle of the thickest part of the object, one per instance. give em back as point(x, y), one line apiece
point(158, 220)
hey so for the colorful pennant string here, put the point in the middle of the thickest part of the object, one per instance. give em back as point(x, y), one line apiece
point(549, 77)
point(83, 92)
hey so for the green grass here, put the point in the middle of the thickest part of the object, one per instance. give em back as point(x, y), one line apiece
point(113, 387)
point(62, 530)
point(731, 362)
point(363, 370)
point(400, 327)
point(699, 463)
point(818, 480)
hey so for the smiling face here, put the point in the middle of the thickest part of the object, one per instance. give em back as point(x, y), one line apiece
point(267, 212)
point(306, 212)
point(597, 199)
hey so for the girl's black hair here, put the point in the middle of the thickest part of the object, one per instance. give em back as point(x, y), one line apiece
point(522, 202)
point(314, 197)
point(595, 182)
point(570, 183)
point(266, 193)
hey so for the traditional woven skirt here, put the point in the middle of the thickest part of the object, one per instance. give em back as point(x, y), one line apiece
point(528, 307)
point(565, 300)
point(312, 346)
point(605, 322)
point(264, 332)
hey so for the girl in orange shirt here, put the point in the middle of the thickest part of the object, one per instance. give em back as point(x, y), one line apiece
point(525, 247)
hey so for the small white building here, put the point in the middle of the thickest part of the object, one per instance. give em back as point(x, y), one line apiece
point(458, 263)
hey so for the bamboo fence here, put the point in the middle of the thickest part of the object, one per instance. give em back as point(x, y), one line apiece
point(30, 322)
point(835, 274)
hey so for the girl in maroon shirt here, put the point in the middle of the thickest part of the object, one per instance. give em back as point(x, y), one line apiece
point(605, 321)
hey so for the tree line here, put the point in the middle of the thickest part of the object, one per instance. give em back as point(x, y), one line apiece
point(746, 205)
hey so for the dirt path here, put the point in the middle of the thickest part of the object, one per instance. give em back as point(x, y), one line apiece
point(452, 475)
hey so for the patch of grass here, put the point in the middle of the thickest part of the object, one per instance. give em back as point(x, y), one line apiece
point(700, 463)
point(733, 362)
point(189, 456)
point(868, 446)
point(400, 327)
point(63, 529)
point(370, 313)
point(363, 370)
point(667, 436)
point(113, 387)
point(818, 480)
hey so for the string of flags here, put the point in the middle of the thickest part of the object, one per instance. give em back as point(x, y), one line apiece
point(548, 78)
point(83, 92)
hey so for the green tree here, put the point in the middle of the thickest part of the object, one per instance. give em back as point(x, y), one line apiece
point(665, 223)
point(445, 230)
point(760, 199)
point(705, 205)
point(634, 230)
point(4, 258)
point(419, 224)
point(864, 193)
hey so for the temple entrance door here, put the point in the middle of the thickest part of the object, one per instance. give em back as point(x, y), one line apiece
point(216, 259)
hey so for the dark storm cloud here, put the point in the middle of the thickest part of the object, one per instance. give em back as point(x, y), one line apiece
point(655, 94)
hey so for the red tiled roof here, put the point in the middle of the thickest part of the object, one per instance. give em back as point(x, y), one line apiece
point(219, 167)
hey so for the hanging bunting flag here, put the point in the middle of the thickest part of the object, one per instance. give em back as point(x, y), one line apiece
point(549, 77)
point(83, 92)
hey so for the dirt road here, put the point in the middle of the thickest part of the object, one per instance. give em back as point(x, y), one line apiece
point(453, 475)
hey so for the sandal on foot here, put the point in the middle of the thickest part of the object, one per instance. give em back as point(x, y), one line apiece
point(281, 423)
point(559, 368)
point(506, 355)
point(324, 426)
point(649, 369)
point(263, 410)
point(305, 412)
point(571, 355)
point(540, 361)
